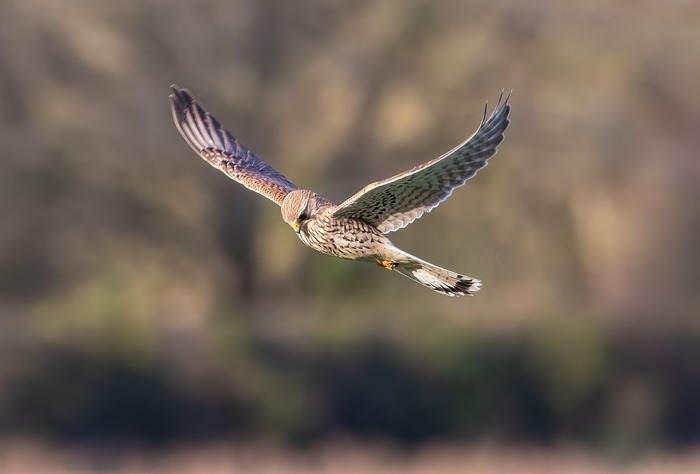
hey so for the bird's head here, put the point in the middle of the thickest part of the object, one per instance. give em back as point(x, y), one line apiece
point(299, 206)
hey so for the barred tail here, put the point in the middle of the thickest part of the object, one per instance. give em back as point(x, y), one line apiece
point(436, 278)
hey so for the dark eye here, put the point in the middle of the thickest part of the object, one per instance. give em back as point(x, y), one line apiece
point(303, 216)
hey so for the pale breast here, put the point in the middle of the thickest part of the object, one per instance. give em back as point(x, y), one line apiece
point(344, 238)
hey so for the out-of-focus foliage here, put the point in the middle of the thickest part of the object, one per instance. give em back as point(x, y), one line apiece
point(144, 297)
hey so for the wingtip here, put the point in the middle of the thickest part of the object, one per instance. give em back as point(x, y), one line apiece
point(501, 104)
point(175, 92)
point(180, 100)
point(505, 102)
point(183, 95)
point(501, 101)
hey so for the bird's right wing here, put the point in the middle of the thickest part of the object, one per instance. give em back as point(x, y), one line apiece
point(395, 202)
point(216, 145)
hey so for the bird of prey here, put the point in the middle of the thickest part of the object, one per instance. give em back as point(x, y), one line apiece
point(354, 229)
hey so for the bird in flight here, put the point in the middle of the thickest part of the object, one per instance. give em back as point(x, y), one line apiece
point(356, 228)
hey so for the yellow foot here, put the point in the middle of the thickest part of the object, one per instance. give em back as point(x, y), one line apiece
point(388, 264)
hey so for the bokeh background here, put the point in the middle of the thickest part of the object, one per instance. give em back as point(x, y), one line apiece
point(157, 317)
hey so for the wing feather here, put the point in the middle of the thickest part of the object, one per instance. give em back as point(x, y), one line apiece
point(393, 203)
point(203, 132)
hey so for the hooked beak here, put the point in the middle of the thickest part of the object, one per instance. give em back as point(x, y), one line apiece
point(296, 226)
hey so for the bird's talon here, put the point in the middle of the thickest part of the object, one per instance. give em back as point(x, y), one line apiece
point(388, 264)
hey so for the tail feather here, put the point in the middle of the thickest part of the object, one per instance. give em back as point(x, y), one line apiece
point(436, 278)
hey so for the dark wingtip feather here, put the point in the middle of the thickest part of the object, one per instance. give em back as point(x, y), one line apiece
point(486, 113)
point(180, 99)
point(194, 123)
point(466, 287)
point(501, 106)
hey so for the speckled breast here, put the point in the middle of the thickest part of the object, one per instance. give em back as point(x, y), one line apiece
point(345, 238)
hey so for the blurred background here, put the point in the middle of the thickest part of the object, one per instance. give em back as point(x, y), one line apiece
point(157, 317)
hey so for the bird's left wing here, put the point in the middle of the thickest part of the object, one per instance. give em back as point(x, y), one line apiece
point(216, 145)
point(393, 203)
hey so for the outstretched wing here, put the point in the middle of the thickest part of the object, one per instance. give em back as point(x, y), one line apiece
point(395, 202)
point(216, 145)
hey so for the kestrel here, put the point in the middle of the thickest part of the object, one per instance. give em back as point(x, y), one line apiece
point(354, 229)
